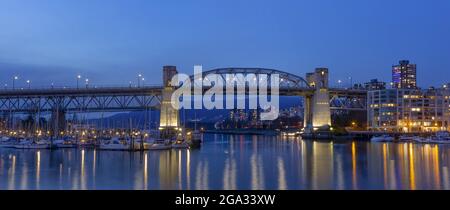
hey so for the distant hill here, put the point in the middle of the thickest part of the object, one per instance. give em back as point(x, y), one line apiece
point(204, 116)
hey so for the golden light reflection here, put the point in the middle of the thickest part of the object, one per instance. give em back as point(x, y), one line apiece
point(412, 175)
point(385, 165)
point(392, 175)
point(354, 175)
point(437, 177)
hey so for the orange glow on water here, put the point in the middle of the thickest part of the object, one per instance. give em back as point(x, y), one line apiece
point(412, 175)
point(354, 180)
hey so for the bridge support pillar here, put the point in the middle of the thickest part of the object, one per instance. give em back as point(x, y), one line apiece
point(169, 116)
point(307, 118)
point(58, 121)
point(320, 107)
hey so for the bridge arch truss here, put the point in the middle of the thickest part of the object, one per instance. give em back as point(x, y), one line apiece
point(287, 80)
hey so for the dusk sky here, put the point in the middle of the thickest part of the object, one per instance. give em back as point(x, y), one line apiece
point(110, 42)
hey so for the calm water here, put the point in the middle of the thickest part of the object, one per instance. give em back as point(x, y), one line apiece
point(234, 162)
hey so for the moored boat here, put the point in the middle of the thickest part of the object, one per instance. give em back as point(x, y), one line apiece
point(160, 144)
point(6, 142)
point(139, 144)
point(382, 138)
point(439, 138)
point(420, 139)
point(180, 144)
point(196, 139)
point(61, 143)
point(114, 144)
point(31, 144)
point(406, 138)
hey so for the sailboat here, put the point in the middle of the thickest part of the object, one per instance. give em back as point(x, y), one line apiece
point(180, 142)
point(196, 137)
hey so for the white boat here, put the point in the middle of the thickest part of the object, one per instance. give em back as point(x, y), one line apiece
point(180, 144)
point(160, 144)
point(6, 142)
point(439, 138)
point(407, 138)
point(382, 138)
point(61, 143)
point(85, 144)
point(30, 144)
point(420, 139)
point(114, 144)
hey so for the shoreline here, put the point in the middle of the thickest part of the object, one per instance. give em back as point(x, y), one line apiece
point(244, 132)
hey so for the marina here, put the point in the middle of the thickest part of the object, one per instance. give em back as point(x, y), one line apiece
point(234, 162)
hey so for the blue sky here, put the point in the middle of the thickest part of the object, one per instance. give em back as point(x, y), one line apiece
point(110, 42)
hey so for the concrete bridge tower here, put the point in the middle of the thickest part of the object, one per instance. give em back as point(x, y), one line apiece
point(317, 106)
point(169, 116)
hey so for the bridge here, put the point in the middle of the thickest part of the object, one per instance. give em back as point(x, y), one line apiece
point(319, 98)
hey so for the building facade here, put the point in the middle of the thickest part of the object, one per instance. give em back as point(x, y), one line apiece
point(404, 75)
point(409, 110)
point(374, 84)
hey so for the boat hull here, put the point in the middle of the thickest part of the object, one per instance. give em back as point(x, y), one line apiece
point(32, 146)
point(160, 147)
point(180, 146)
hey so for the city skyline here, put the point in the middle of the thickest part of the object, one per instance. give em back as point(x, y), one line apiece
point(113, 43)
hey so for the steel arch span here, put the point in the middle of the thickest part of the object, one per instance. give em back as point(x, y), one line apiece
point(287, 80)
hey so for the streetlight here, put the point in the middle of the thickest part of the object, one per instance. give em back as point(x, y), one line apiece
point(87, 82)
point(14, 82)
point(52, 85)
point(339, 82)
point(29, 84)
point(139, 80)
point(78, 80)
point(143, 80)
point(6, 86)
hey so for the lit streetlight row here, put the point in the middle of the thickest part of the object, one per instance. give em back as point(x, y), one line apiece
point(140, 78)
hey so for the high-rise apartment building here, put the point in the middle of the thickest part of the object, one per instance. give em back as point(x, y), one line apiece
point(404, 75)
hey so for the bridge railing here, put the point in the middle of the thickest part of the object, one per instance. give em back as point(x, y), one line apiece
point(72, 88)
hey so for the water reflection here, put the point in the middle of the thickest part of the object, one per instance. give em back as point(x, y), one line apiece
point(234, 162)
